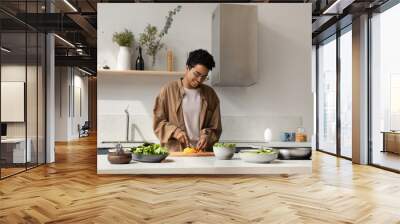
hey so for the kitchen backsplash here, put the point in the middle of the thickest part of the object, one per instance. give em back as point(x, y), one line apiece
point(113, 127)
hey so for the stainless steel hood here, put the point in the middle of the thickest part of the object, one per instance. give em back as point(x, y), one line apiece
point(234, 45)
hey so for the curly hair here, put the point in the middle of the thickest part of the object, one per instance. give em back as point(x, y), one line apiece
point(202, 57)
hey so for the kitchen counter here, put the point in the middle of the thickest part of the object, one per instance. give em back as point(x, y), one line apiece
point(204, 165)
point(111, 144)
point(272, 144)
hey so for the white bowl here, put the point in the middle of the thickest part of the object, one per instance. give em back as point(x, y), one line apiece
point(223, 153)
point(252, 157)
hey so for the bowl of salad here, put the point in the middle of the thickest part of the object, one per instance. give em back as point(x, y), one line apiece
point(264, 155)
point(149, 153)
point(224, 151)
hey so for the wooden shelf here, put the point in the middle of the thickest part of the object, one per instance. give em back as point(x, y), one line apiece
point(139, 72)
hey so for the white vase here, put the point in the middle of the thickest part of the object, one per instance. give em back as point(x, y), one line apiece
point(267, 135)
point(124, 58)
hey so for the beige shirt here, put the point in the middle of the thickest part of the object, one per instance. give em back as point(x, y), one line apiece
point(191, 106)
point(168, 115)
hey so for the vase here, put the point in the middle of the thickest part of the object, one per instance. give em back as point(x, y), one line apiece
point(267, 135)
point(124, 58)
point(153, 61)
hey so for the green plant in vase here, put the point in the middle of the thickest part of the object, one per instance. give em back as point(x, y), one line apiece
point(151, 38)
point(124, 40)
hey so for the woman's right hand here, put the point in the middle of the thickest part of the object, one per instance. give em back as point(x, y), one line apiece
point(181, 137)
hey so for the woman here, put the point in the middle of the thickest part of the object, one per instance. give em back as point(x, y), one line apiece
point(187, 112)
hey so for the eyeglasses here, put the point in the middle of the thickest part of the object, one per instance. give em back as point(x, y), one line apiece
point(198, 75)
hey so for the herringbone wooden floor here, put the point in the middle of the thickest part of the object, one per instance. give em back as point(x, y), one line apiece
point(70, 191)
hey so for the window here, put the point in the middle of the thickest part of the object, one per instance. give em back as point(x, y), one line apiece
point(385, 88)
point(346, 93)
point(327, 95)
point(334, 106)
point(394, 101)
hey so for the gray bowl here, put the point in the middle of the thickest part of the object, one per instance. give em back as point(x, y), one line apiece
point(149, 158)
point(251, 156)
point(223, 153)
point(295, 153)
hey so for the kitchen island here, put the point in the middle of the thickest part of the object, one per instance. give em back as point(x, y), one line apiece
point(204, 165)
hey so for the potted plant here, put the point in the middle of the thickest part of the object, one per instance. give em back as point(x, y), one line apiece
point(124, 40)
point(224, 151)
point(151, 38)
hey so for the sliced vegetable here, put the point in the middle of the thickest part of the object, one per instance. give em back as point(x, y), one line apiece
point(190, 150)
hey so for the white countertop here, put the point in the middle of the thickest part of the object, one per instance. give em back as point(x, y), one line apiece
point(204, 165)
point(238, 143)
point(272, 144)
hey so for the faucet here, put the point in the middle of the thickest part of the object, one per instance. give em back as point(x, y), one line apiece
point(127, 123)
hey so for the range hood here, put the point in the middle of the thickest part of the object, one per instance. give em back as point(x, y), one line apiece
point(234, 45)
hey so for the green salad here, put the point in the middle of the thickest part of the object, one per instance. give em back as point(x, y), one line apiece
point(265, 151)
point(150, 149)
point(226, 145)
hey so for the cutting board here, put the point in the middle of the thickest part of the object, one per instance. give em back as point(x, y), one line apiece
point(182, 154)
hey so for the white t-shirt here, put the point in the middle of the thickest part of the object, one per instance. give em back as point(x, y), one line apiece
point(191, 106)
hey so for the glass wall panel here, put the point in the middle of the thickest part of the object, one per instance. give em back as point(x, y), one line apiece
point(42, 91)
point(346, 94)
point(13, 95)
point(385, 87)
point(41, 98)
point(32, 86)
point(32, 96)
point(327, 96)
point(22, 66)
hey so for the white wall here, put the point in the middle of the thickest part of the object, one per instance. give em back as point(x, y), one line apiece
point(67, 83)
point(61, 103)
point(281, 99)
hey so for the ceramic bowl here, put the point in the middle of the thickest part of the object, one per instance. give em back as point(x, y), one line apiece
point(223, 153)
point(119, 158)
point(149, 158)
point(299, 153)
point(252, 157)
